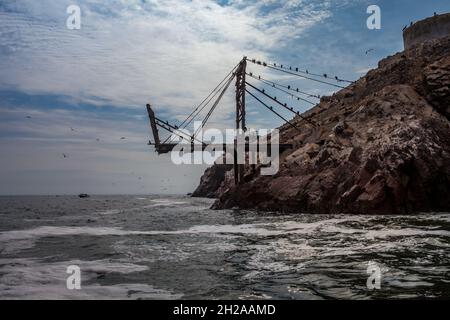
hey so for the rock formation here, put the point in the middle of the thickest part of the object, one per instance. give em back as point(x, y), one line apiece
point(382, 145)
point(214, 181)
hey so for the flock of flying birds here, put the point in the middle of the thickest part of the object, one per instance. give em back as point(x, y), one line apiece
point(65, 155)
point(73, 130)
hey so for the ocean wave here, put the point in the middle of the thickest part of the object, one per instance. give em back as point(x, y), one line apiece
point(32, 278)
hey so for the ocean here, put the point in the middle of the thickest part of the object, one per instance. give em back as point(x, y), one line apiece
point(175, 247)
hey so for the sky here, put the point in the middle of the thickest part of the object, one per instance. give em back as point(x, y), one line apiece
point(72, 102)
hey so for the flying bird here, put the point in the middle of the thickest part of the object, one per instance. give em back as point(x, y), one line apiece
point(123, 138)
point(64, 155)
point(28, 117)
point(72, 129)
point(370, 50)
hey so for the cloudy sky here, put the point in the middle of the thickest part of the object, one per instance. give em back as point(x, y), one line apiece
point(78, 92)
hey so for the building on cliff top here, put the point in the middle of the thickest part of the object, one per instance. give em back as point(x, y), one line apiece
point(430, 28)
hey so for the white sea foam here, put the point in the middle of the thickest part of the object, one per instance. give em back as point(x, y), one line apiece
point(166, 202)
point(33, 279)
point(20, 239)
point(387, 233)
point(108, 212)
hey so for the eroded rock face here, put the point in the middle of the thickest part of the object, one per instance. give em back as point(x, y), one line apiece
point(382, 145)
point(437, 79)
point(212, 183)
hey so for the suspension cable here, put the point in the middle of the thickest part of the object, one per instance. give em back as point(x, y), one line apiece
point(211, 93)
point(173, 129)
point(281, 104)
point(216, 103)
point(292, 95)
point(206, 104)
point(301, 76)
point(271, 109)
point(281, 67)
point(276, 85)
point(208, 99)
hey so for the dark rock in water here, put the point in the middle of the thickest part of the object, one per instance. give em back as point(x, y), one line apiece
point(382, 146)
point(83, 195)
point(212, 182)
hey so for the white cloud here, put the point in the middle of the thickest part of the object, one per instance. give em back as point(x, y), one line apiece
point(128, 52)
point(171, 52)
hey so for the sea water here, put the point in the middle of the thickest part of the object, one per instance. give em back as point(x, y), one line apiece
point(175, 247)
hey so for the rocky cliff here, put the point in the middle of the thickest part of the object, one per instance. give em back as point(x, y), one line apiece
point(215, 181)
point(382, 145)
